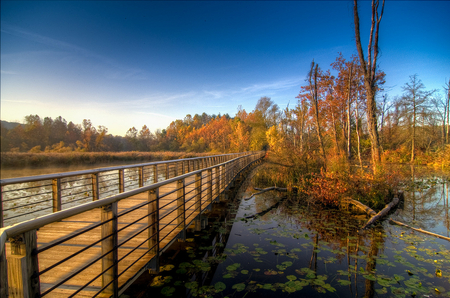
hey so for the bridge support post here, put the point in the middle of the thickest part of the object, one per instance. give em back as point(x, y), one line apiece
point(23, 268)
point(56, 193)
point(109, 249)
point(153, 229)
point(181, 208)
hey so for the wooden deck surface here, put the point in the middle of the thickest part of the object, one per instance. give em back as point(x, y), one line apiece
point(132, 254)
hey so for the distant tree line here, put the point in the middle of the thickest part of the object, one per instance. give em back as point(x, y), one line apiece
point(329, 119)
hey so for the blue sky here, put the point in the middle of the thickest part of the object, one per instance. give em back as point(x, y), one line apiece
point(125, 64)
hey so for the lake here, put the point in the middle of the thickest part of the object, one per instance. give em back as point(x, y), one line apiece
point(276, 246)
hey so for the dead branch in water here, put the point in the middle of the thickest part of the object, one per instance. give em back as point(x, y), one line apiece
point(382, 213)
point(359, 205)
point(419, 230)
point(264, 190)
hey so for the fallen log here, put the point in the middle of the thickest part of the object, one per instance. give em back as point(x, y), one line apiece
point(382, 213)
point(419, 230)
point(264, 190)
point(360, 206)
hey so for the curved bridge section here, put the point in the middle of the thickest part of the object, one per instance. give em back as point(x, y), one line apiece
point(97, 249)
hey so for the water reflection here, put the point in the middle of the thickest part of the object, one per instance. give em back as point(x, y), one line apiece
point(296, 250)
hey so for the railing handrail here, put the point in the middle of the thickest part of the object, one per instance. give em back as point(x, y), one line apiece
point(100, 170)
point(32, 224)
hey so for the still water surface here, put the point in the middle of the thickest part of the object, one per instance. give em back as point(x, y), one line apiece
point(291, 250)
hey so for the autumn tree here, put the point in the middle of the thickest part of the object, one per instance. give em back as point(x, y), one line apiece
point(369, 70)
point(414, 101)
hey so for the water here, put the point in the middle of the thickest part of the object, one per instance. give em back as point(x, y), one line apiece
point(52, 169)
point(293, 250)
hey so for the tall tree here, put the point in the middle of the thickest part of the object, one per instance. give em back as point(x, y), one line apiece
point(414, 100)
point(369, 70)
point(447, 135)
point(313, 88)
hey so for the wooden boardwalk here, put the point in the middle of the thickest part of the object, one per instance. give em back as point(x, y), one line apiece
point(106, 244)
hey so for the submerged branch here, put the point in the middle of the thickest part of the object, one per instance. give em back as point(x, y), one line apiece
point(264, 190)
point(359, 205)
point(419, 230)
point(382, 213)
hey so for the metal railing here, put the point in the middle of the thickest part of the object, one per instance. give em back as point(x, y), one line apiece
point(29, 197)
point(99, 248)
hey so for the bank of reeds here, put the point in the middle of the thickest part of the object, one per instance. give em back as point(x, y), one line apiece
point(23, 159)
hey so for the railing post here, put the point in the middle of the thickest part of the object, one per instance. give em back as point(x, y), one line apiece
point(198, 201)
point(121, 180)
point(181, 207)
point(155, 173)
point(1, 208)
point(95, 191)
point(217, 173)
point(23, 268)
point(141, 176)
point(153, 227)
point(3, 272)
point(210, 186)
point(56, 193)
point(109, 249)
point(167, 171)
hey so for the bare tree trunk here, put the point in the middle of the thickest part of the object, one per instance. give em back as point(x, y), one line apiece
point(349, 103)
point(447, 136)
point(369, 72)
point(315, 101)
point(357, 133)
point(413, 141)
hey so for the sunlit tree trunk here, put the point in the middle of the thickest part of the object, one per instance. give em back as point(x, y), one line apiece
point(447, 136)
point(315, 101)
point(357, 132)
point(368, 68)
point(349, 104)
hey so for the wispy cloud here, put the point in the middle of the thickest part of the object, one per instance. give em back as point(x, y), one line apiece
point(118, 71)
point(271, 86)
point(5, 72)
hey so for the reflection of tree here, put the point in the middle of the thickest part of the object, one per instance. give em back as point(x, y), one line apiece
point(425, 203)
point(371, 262)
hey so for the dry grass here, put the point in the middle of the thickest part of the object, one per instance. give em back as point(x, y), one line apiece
point(22, 159)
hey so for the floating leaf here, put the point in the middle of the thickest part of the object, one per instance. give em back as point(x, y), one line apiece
point(239, 287)
point(167, 291)
point(343, 282)
point(220, 286)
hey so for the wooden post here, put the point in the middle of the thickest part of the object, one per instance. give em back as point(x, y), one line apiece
point(153, 227)
point(1, 208)
point(141, 176)
point(198, 200)
point(155, 173)
point(167, 171)
point(95, 191)
point(175, 169)
point(181, 207)
point(209, 186)
point(56, 192)
point(109, 249)
point(121, 180)
point(3, 274)
point(23, 268)
point(217, 173)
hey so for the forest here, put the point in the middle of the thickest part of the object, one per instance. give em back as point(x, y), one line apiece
point(329, 120)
